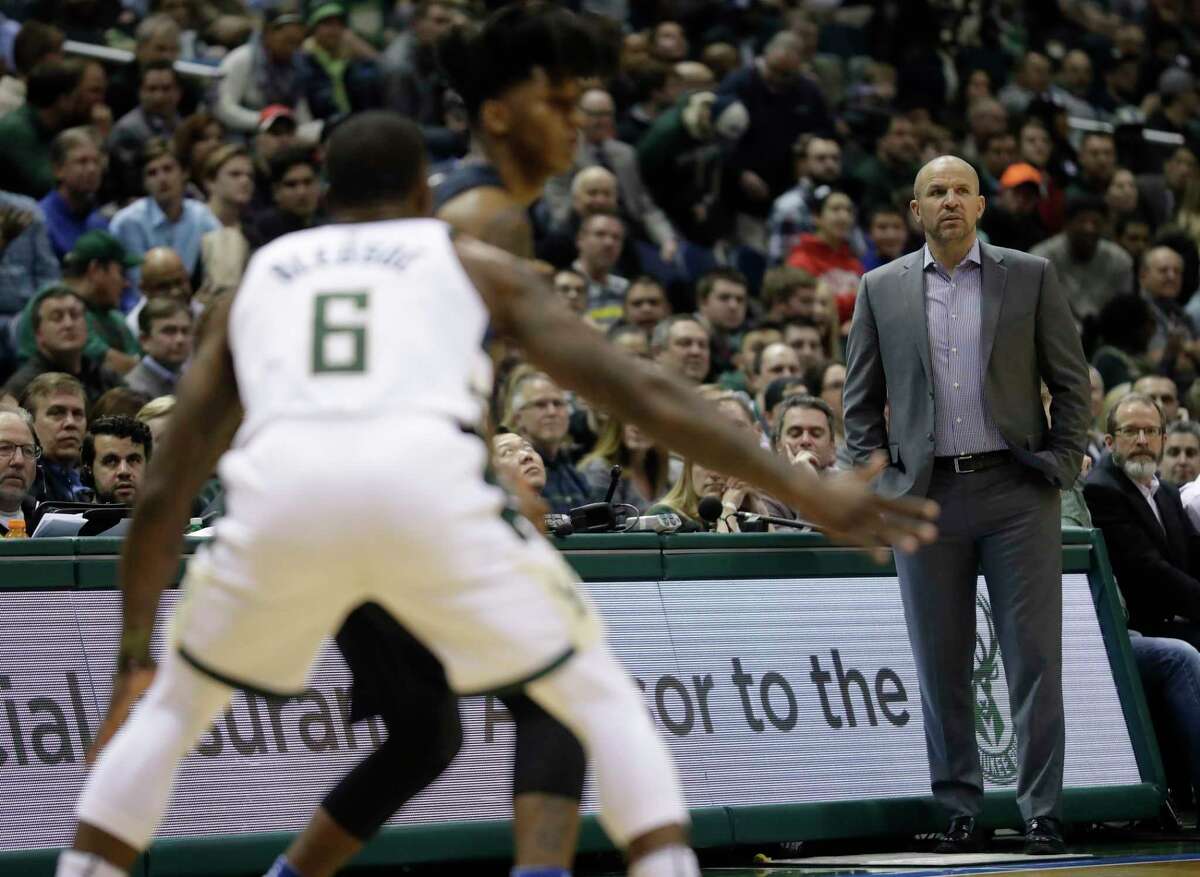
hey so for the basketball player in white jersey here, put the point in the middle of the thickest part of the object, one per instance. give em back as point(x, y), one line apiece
point(365, 337)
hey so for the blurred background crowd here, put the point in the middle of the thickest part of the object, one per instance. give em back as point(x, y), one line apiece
point(746, 164)
point(742, 169)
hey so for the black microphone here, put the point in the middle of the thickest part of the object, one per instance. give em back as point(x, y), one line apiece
point(753, 518)
point(709, 508)
point(597, 517)
point(614, 475)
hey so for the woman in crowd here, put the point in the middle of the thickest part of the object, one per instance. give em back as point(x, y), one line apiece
point(643, 464)
point(229, 180)
point(1121, 196)
point(826, 253)
point(1187, 214)
point(193, 142)
point(156, 414)
point(1123, 199)
point(1036, 146)
point(696, 481)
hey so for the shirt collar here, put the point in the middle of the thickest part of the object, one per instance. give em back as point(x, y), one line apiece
point(1145, 491)
point(972, 257)
point(156, 215)
point(157, 368)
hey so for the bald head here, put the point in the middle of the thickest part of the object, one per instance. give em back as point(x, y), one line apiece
point(1161, 274)
point(596, 100)
point(594, 190)
point(592, 176)
point(599, 116)
point(947, 203)
point(941, 165)
point(693, 76)
point(784, 41)
point(164, 274)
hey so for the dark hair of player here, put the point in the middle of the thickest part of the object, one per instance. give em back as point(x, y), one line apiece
point(484, 62)
point(374, 157)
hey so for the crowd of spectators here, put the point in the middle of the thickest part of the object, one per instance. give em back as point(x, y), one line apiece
point(743, 167)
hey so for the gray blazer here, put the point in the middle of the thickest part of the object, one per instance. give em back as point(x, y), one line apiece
point(1029, 336)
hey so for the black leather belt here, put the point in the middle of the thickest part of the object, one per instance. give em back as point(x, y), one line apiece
point(965, 463)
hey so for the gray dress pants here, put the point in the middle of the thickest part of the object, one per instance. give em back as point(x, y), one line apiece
point(1004, 520)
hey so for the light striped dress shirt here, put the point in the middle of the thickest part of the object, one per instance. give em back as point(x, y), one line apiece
point(952, 311)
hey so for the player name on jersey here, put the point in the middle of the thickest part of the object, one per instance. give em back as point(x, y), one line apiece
point(295, 264)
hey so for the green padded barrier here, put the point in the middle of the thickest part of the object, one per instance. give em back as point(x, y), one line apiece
point(15, 548)
point(97, 564)
point(98, 560)
point(1111, 614)
point(37, 564)
point(692, 556)
point(604, 557)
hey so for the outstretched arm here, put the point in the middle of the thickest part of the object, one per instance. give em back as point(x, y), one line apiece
point(524, 308)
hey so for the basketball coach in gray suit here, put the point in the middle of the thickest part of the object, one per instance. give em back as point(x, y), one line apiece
point(955, 340)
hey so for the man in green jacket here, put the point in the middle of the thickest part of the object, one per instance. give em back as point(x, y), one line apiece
point(95, 270)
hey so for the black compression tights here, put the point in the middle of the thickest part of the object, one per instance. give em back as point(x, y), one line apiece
point(548, 759)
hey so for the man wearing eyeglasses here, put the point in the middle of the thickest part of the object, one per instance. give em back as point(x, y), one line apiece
point(18, 464)
point(541, 415)
point(1154, 548)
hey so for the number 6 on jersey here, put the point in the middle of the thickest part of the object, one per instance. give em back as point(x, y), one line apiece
point(339, 333)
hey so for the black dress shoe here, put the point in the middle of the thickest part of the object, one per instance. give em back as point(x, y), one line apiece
point(1043, 837)
point(963, 836)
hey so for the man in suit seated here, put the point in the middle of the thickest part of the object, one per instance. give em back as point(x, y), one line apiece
point(1154, 549)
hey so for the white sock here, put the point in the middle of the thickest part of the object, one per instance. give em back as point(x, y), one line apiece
point(674, 861)
point(72, 863)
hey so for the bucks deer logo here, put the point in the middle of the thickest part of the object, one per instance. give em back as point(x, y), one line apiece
point(996, 741)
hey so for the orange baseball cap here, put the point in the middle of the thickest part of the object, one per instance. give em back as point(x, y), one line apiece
point(1019, 174)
